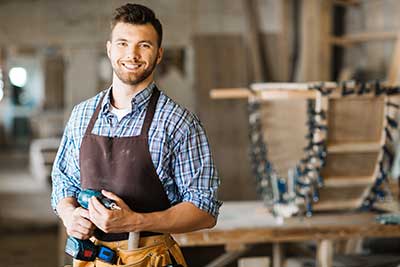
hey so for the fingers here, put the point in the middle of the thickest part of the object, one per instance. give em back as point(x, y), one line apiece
point(79, 225)
point(116, 198)
point(96, 206)
point(110, 195)
point(81, 231)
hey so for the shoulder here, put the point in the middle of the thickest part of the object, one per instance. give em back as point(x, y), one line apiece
point(176, 119)
point(83, 111)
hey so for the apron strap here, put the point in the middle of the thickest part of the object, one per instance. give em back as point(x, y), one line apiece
point(94, 117)
point(151, 108)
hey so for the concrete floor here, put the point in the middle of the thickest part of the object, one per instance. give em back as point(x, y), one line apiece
point(28, 227)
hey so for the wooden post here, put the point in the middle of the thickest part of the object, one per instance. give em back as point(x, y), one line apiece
point(315, 51)
point(277, 254)
point(254, 262)
point(325, 253)
point(253, 39)
point(394, 69)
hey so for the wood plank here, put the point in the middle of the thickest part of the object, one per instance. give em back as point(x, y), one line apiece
point(357, 38)
point(348, 123)
point(350, 164)
point(347, 3)
point(254, 262)
point(314, 60)
point(284, 127)
point(230, 93)
point(354, 147)
point(325, 253)
point(253, 39)
point(248, 222)
point(223, 120)
point(345, 198)
point(394, 68)
point(348, 181)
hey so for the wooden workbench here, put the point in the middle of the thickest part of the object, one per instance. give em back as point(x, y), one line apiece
point(244, 223)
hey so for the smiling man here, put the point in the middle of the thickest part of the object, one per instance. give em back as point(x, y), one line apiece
point(140, 149)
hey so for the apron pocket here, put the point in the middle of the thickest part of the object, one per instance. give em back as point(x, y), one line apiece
point(78, 263)
point(153, 256)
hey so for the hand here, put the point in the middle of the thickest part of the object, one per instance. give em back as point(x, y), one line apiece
point(78, 224)
point(112, 221)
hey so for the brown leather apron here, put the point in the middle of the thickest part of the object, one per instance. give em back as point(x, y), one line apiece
point(123, 165)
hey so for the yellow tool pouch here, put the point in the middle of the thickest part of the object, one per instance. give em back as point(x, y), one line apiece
point(153, 251)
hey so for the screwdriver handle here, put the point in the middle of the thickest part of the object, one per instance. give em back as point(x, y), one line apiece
point(133, 241)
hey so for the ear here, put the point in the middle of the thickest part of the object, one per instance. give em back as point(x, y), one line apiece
point(160, 55)
point(109, 49)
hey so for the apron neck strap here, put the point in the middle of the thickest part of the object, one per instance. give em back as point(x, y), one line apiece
point(151, 108)
point(94, 117)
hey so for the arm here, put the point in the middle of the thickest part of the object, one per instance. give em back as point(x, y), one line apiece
point(183, 217)
point(66, 186)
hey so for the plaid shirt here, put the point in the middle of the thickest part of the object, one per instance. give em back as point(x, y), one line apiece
point(177, 141)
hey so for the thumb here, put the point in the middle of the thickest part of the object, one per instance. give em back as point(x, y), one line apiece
point(114, 197)
point(110, 195)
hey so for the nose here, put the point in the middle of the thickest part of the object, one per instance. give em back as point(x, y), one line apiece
point(134, 53)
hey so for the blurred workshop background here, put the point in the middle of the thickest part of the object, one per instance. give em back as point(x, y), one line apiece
point(52, 56)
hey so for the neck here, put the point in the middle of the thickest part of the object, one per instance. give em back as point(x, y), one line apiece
point(122, 94)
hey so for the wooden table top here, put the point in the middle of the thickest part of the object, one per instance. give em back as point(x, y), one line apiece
point(248, 222)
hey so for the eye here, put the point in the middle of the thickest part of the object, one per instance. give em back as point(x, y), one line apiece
point(122, 43)
point(145, 45)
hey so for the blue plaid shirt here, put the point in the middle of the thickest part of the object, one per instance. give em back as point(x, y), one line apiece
point(177, 141)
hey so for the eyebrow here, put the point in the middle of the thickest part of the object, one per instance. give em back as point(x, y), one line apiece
point(125, 40)
point(146, 41)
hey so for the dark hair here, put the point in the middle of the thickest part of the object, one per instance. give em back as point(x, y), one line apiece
point(137, 14)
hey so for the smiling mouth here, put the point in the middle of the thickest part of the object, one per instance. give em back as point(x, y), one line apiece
point(131, 66)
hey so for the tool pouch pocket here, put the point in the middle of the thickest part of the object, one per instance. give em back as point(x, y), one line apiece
point(158, 255)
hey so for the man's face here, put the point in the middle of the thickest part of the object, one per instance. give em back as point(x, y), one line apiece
point(134, 52)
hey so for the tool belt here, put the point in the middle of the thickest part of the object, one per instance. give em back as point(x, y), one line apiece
point(153, 251)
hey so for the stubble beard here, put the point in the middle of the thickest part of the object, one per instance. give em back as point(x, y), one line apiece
point(133, 79)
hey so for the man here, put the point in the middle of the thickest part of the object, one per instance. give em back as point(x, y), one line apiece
point(140, 148)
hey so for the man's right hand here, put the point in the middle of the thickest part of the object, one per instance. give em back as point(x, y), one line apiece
point(75, 219)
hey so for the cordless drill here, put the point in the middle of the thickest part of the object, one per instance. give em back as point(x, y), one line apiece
point(86, 250)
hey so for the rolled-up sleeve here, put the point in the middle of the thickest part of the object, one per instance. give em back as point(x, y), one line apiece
point(195, 172)
point(65, 173)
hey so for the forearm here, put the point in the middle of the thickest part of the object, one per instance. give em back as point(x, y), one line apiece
point(183, 217)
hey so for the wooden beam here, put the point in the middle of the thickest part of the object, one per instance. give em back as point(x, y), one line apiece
point(394, 69)
point(356, 38)
point(230, 93)
point(315, 52)
point(253, 39)
point(355, 147)
point(347, 3)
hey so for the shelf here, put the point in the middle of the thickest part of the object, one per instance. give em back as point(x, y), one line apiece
point(346, 181)
point(347, 3)
point(356, 38)
point(230, 93)
point(354, 147)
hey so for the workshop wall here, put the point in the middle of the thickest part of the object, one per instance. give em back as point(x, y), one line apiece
point(373, 58)
point(70, 38)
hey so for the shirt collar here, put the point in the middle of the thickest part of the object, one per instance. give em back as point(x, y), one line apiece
point(139, 101)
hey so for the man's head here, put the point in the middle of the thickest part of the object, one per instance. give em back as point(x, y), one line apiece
point(137, 15)
point(135, 46)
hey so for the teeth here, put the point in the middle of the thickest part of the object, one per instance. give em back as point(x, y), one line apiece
point(131, 66)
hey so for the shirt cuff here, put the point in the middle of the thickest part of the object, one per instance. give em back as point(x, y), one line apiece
point(203, 201)
point(66, 192)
